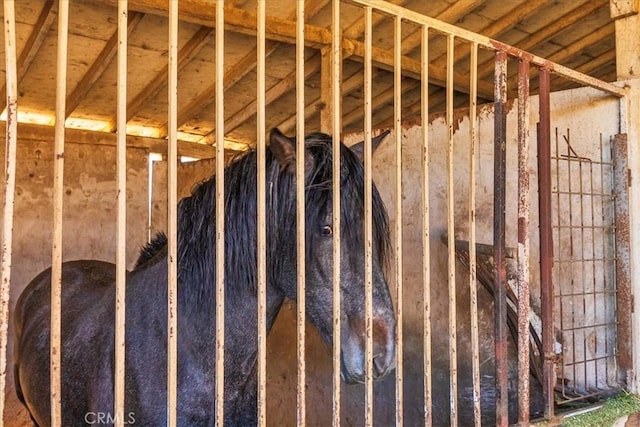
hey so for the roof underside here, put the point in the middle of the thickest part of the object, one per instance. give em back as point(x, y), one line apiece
point(575, 33)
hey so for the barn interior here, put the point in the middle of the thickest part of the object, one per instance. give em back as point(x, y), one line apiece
point(584, 36)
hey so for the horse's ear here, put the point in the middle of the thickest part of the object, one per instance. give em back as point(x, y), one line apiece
point(284, 148)
point(358, 148)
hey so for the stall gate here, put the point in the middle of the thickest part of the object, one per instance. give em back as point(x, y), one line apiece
point(479, 235)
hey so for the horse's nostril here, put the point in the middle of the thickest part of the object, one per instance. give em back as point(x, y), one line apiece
point(379, 367)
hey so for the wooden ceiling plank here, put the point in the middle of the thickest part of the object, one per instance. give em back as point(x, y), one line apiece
point(99, 66)
point(505, 23)
point(539, 37)
point(231, 77)
point(40, 30)
point(235, 74)
point(383, 98)
point(311, 66)
point(590, 67)
point(357, 28)
point(452, 14)
point(352, 84)
point(186, 54)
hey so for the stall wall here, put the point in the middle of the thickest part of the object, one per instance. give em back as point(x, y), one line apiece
point(89, 226)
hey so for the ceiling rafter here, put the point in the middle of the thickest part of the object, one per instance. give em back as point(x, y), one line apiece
point(99, 65)
point(32, 46)
point(506, 22)
point(186, 54)
point(451, 15)
point(349, 85)
point(311, 66)
point(239, 70)
point(539, 37)
point(382, 98)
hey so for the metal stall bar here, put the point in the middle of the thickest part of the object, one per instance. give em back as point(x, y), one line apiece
point(473, 285)
point(500, 270)
point(397, 129)
point(523, 241)
point(451, 256)
point(220, 216)
point(58, 196)
point(336, 98)
point(426, 253)
point(11, 142)
point(172, 219)
point(121, 234)
point(368, 226)
point(546, 242)
point(300, 218)
point(261, 212)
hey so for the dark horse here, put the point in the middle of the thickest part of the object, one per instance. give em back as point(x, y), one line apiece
point(88, 297)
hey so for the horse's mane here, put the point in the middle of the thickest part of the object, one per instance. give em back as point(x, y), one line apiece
point(151, 249)
point(196, 218)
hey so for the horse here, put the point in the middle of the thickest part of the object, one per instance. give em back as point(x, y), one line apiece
point(88, 296)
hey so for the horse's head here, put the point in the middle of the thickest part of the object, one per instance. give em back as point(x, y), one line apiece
point(319, 253)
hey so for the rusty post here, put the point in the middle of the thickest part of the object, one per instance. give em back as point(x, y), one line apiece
point(546, 242)
point(500, 272)
point(523, 242)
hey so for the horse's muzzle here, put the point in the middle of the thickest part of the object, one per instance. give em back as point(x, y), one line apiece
point(353, 367)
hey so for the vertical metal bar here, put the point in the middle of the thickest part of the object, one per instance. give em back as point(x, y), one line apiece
point(397, 129)
point(11, 142)
point(453, 335)
point(524, 104)
point(220, 215)
point(172, 259)
point(368, 279)
point(500, 272)
point(473, 285)
point(58, 188)
point(121, 237)
point(546, 241)
point(300, 215)
point(261, 220)
point(336, 98)
point(426, 253)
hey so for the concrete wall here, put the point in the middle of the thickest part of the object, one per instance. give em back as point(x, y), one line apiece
point(90, 227)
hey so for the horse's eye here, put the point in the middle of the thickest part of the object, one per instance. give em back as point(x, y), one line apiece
point(327, 230)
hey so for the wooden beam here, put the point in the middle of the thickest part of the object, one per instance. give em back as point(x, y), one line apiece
point(276, 91)
point(99, 66)
point(534, 40)
point(627, 25)
point(32, 46)
point(382, 98)
point(357, 28)
point(187, 53)
point(234, 75)
point(493, 29)
point(78, 136)
point(452, 14)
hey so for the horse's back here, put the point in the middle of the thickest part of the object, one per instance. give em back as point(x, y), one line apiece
point(87, 294)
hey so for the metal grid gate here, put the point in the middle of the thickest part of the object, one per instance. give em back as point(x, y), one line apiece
point(584, 268)
point(398, 65)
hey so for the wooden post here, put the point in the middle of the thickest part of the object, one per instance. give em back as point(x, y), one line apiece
point(627, 22)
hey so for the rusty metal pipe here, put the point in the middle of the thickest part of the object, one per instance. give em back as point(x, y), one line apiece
point(500, 272)
point(546, 241)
